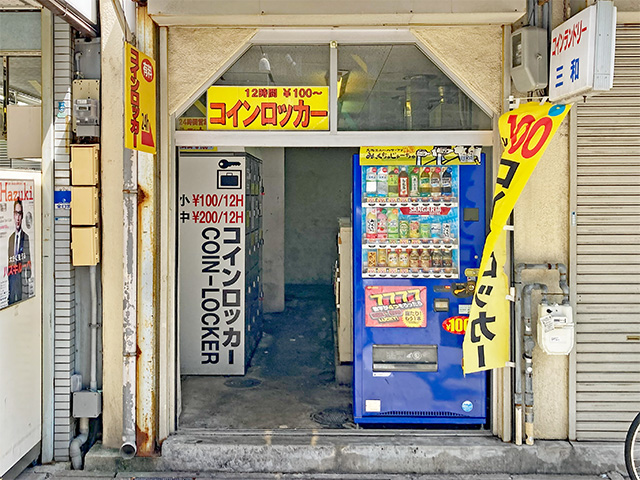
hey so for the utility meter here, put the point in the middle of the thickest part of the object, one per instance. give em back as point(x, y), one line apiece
point(555, 329)
point(529, 64)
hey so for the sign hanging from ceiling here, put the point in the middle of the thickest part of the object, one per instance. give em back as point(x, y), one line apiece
point(582, 53)
point(139, 101)
point(267, 108)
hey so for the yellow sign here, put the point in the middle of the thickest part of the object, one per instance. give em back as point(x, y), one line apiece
point(139, 101)
point(433, 155)
point(268, 108)
point(525, 132)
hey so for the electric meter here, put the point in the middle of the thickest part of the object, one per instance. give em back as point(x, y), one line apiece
point(529, 64)
point(555, 329)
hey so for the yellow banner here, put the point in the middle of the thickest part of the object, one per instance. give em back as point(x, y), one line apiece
point(525, 132)
point(268, 108)
point(431, 155)
point(139, 101)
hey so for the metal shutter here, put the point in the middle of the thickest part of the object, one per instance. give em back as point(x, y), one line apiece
point(606, 250)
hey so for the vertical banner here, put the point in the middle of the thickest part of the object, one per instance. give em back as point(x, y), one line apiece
point(525, 132)
point(211, 267)
point(17, 234)
point(139, 101)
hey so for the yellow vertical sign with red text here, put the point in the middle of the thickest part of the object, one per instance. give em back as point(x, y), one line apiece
point(525, 133)
point(139, 101)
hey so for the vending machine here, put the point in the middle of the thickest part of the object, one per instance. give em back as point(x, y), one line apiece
point(419, 228)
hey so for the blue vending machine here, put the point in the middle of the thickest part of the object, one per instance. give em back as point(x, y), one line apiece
point(419, 226)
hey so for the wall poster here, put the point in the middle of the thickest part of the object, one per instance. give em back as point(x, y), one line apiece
point(17, 234)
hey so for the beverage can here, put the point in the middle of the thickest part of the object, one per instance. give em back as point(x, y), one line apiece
point(392, 258)
point(372, 223)
point(372, 259)
point(382, 257)
point(425, 230)
point(404, 229)
point(414, 229)
point(446, 230)
point(403, 258)
point(436, 230)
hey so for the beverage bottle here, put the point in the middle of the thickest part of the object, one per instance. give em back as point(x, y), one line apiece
point(425, 182)
point(372, 223)
point(425, 260)
point(425, 230)
point(436, 259)
point(392, 258)
point(392, 223)
point(403, 183)
point(382, 189)
point(370, 181)
point(414, 229)
point(382, 257)
point(414, 259)
point(435, 183)
point(414, 182)
point(382, 225)
point(393, 181)
point(404, 229)
point(447, 259)
point(403, 259)
point(447, 183)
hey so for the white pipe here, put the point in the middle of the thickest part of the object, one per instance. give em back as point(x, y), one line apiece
point(76, 444)
point(93, 382)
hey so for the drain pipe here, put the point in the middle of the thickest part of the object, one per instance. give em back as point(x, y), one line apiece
point(529, 344)
point(130, 287)
point(74, 449)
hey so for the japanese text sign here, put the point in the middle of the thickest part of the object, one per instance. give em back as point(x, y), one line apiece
point(426, 155)
point(395, 306)
point(582, 53)
point(211, 271)
point(268, 108)
point(139, 101)
point(525, 132)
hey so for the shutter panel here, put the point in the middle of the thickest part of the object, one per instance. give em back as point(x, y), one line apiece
point(606, 259)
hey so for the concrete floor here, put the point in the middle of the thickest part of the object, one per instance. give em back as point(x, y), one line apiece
point(290, 378)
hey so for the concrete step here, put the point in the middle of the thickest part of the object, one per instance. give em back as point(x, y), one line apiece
point(381, 451)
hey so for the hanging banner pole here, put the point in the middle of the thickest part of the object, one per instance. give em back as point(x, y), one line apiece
point(525, 133)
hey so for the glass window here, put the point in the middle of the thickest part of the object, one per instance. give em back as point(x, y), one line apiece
point(267, 65)
point(25, 84)
point(396, 87)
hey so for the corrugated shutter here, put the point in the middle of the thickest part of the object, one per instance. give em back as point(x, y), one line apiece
point(606, 260)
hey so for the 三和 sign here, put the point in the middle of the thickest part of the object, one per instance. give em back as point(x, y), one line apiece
point(582, 52)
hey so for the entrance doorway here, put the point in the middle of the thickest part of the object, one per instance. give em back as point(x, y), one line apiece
point(290, 380)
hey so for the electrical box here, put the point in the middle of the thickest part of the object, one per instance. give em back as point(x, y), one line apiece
point(87, 404)
point(84, 205)
point(84, 164)
point(86, 108)
point(529, 64)
point(556, 329)
point(85, 246)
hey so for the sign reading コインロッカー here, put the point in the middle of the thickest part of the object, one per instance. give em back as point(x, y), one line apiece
point(267, 108)
point(211, 276)
point(17, 237)
point(139, 100)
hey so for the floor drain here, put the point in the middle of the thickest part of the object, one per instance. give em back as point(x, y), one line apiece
point(331, 417)
point(242, 382)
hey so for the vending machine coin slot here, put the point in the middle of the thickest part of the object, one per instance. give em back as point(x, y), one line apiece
point(405, 358)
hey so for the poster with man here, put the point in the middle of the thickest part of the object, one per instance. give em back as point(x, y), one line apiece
point(17, 224)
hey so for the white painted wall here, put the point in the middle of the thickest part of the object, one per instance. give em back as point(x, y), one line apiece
point(21, 355)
